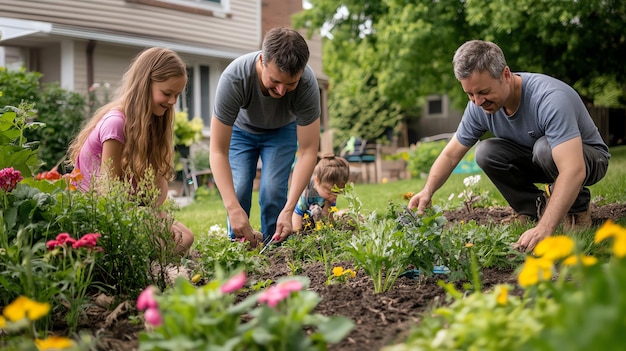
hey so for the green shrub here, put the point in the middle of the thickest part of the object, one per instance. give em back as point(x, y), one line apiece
point(423, 156)
point(63, 113)
point(18, 86)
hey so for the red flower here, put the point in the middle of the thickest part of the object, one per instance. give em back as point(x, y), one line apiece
point(88, 241)
point(9, 177)
point(65, 239)
point(49, 175)
point(51, 244)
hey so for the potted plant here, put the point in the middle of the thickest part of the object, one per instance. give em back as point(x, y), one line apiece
point(186, 132)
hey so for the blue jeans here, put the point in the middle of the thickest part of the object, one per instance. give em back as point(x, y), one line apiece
point(277, 150)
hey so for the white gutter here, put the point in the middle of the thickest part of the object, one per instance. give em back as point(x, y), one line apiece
point(11, 28)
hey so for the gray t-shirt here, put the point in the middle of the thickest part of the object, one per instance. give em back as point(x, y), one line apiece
point(548, 107)
point(239, 100)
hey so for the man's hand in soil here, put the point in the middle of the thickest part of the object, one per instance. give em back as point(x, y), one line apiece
point(530, 238)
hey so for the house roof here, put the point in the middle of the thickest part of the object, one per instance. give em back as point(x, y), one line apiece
point(12, 29)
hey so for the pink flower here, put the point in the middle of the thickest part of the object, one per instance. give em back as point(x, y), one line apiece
point(51, 244)
point(153, 316)
point(9, 177)
point(88, 241)
point(235, 283)
point(64, 239)
point(291, 285)
point(276, 293)
point(146, 299)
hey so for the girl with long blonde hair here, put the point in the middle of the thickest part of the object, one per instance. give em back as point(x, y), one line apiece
point(133, 133)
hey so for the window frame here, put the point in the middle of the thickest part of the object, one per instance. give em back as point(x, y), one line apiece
point(219, 8)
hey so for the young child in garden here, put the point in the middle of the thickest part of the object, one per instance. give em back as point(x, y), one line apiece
point(329, 177)
point(133, 133)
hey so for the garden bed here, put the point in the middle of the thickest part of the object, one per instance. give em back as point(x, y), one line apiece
point(380, 319)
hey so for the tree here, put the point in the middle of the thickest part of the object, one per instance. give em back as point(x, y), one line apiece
point(394, 52)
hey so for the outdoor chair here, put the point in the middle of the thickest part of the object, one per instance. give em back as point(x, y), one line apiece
point(192, 177)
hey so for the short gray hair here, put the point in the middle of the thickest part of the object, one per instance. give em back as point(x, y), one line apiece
point(478, 55)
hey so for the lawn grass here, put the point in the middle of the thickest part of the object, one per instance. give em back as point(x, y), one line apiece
point(208, 210)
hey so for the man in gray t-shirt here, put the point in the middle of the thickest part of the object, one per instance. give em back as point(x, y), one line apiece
point(543, 134)
point(267, 106)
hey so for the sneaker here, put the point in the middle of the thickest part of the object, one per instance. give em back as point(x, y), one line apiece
point(543, 199)
point(523, 219)
point(577, 221)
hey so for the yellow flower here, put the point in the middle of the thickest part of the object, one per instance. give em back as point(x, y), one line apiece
point(3, 322)
point(23, 307)
point(54, 343)
point(338, 271)
point(585, 260)
point(196, 278)
point(319, 225)
point(610, 229)
point(555, 247)
point(306, 216)
point(534, 269)
point(352, 273)
point(384, 180)
point(333, 209)
point(468, 245)
point(502, 295)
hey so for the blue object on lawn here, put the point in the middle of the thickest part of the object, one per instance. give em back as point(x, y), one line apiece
point(414, 273)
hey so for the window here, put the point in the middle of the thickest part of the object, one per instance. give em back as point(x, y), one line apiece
point(219, 8)
point(436, 106)
point(196, 98)
point(13, 58)
point(207, 4)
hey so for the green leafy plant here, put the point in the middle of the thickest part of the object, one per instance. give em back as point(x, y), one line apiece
point(423, 235)
point(382, 250)
point(207, 318)
point(17, 86)
point(216, 249)
point(571, 301)
point(422, 157)
point(63, 113)
point(16, 150)
point(75, 260)
point(186, 131)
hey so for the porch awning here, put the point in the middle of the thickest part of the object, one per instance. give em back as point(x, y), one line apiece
point(11, 28)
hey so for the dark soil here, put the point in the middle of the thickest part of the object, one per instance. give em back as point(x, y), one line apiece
point(380, 319)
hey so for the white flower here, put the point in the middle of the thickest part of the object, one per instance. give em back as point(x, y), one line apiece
point(471, 180)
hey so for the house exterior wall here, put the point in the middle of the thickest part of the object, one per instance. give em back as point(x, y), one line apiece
point(444, 121)
point(146, 18)
point(79, 43)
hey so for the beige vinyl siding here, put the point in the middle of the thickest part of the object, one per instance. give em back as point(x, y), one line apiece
point(80, 67)
point(238, 31)
point(110, 63)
